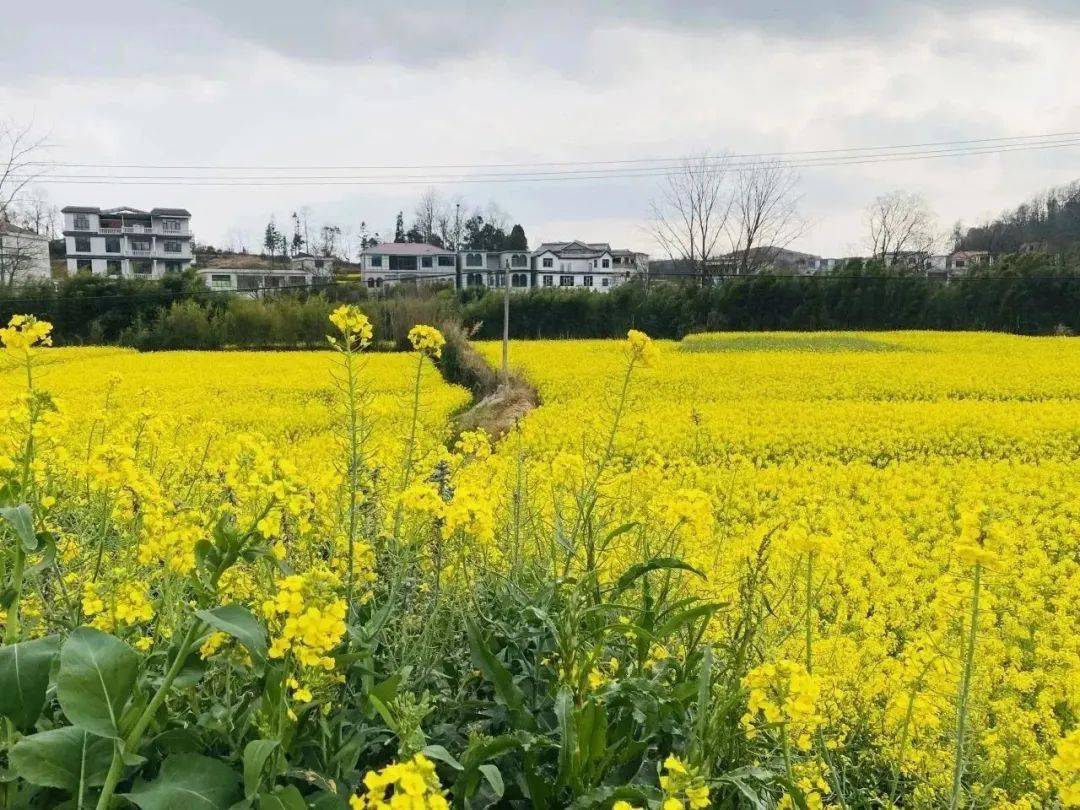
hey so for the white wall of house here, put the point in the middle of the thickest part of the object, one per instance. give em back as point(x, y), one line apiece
point(24, 257)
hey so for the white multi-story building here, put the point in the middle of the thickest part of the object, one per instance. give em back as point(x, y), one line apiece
point(255, 276)
point(24, 255)
point(584, 264)
point(391, 263)
point(126, 242)
point(486, 268)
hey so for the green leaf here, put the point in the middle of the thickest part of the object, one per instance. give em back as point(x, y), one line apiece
point(494, 778)
point(492, 668)
point(21, 520)
point(70, 758)
point(256, 753)
point(564, 712)
point(47, 547)
point(24, 677)
point(97, 676)
point(639, 570)
point(687, 617)
point(188, 782)
point(441, 754)
point(288, 798)
point(238, 622)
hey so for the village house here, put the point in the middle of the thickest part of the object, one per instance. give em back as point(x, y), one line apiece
point(127, 242)
point(24, 255)
point(390, 263)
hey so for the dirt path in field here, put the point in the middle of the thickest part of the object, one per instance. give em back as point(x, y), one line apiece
point(498, 404)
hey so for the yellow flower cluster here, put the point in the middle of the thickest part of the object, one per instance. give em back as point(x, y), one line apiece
point(783, 696)
point(411, 785)
point(354, 326)
point(427, 340)
point(1066, 766)
point(682, 786)
point(24, 332)
point(308, 623)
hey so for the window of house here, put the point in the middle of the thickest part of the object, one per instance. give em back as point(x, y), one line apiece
point(606, 263)
point(371, 283)
point(221, 282)
point(248, 282)
point(566, 281)
point(173, 267)
point(82, 244)
point(594, 262)
point(604, 281)
point(84, 266)
point(425, 261)
point(140, 245)
point(519, 280)
point(112, 244)
point(82, 222)
point(549, 262)
point(143, 269)
point(588, 281)
point(446, 261)
point(172, 246)
point(549, 281)
point(474, 280)
point(171, 225)
point(497, 280)
point(297, 281)
point(376, 261)
point(272, 282)
point(517, 260)
point(474, 260)
point(319, 264)
point(113, 267)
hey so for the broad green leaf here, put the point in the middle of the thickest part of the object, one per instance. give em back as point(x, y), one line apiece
point(21, 520)
point(564, 712)
point(47, 547)
point(188, 782)
point(24, 677)
point(70, 758)
point(494, 778)
point(440, 753)
point(686, 618)
point(256, 753)
point(96, 678)
point(288, 798)
point(238, 622)
point(492, 668)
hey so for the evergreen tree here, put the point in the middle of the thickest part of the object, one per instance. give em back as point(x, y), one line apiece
point(516, 240)
point(399, 228)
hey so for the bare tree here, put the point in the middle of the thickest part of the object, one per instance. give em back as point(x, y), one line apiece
point(691, 211)
point(765, 216)
point(19, 162)
point(427, 215)
point(900, 222)
point(451, 223)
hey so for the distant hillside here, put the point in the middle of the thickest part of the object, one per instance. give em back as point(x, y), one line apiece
point(1049, 222)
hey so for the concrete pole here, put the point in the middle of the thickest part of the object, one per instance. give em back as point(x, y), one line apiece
point(506, 323)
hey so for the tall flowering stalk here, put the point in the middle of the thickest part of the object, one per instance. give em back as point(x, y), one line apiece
point(356, 334)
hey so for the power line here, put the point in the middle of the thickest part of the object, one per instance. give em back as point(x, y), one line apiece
point(422, 166)
point(254, 181)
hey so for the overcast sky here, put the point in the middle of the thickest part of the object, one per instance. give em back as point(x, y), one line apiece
point(338, 82)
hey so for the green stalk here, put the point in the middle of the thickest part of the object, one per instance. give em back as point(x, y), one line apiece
point(965, 690)
point(809, 611)
point(131, 742)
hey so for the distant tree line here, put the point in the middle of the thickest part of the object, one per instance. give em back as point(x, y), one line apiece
point(1048, 222)
point(1026, 294)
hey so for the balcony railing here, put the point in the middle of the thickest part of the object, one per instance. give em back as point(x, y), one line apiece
point(140, 251)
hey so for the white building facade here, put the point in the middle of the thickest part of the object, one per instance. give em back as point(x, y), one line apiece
point(24, 255)
point(391, 263)
point(587, 265)
point(127, 242)
point(486, 268)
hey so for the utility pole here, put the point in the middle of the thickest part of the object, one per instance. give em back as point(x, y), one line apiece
point(506, 323)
